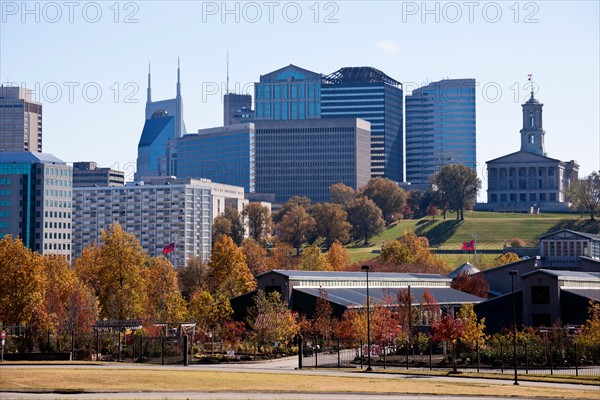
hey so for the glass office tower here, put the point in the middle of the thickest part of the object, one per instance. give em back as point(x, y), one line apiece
point(440, 128)
point(289, 93)
point(369, 94)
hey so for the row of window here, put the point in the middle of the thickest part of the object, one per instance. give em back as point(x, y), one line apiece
point(57, 214)
point(523, 197)
point(55, 235)
point(57, 246)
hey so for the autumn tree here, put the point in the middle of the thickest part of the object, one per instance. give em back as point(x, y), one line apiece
point(517, 242)
point(365, 218)
point(164, 302)
point(430, 308)
point(406, 313)
point(227, 269)
point(341, 194)
point(432, 210)
point(385, 325)
point(259, 221)
point(229, 223)
point(447, 329)
point(68, 305)
point(473, 329)
point(296, 227)
point(331, 224)
point(271, 320)
point(22, 281)
point(210, 313)
point(292, 202)
point(282, 256)
point(117, 274)
point(338, 257)
point(474, 284)
point(323, 321)
point(386, 194)
point(408, 249)
point(257, 257)
point(457, 184)
point(590, 330)
point(353, 325)
point(505, 258)
point(413, 200)
point(585, 194)
point(313, 260)
point(193, 276)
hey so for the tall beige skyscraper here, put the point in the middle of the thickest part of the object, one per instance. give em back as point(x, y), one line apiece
point(20, 120)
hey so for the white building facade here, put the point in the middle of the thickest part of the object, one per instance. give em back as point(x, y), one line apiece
point(158, 213)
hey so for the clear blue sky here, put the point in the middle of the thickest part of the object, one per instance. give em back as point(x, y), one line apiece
point(108, 45)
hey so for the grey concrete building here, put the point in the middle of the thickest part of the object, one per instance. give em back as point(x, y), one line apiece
point(36, 201)
point(237, 109)
point(88, 173)
point(529, 180)
point(306, 157)
point(20, 120)
point(158, 211)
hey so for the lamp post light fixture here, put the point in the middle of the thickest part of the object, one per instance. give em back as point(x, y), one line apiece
point(369, 369)
point(513, 273)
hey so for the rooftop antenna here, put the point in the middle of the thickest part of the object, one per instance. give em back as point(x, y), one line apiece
point(149, 90)
point(530, 79)
point(178, 79)
point(227, 87)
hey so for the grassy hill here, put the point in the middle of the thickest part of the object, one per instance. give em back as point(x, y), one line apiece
point(492, 229)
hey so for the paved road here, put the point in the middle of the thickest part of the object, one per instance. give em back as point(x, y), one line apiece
point(237, 396)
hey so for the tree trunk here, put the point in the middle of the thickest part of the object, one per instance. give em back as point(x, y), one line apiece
point(592, 214)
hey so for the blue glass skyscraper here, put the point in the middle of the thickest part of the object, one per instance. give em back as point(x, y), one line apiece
point(289, 93)
point(440, 128)
point(369, 94)
point(164, 122)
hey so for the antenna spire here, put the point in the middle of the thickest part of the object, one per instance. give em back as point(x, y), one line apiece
point(227, 89)
point(530, 79)
point(178, 79)
point(149, 90)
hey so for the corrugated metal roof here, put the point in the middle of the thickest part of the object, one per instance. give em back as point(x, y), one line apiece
point(355, 276)
point(466, 268)
point(578, 275)
point(356, 297)
point(587, 293)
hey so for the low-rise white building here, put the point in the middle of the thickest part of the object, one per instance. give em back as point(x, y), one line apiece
point(158, 211)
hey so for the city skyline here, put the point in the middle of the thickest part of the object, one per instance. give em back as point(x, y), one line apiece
point(408, 44)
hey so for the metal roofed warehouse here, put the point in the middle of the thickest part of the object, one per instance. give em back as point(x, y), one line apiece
point(348, 289)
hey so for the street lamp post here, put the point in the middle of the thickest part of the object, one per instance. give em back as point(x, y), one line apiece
point(366, 269)
point(513, 273)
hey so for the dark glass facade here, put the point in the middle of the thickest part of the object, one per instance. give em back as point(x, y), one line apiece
point(440, 128)
point(223, 155)
point(371, 95)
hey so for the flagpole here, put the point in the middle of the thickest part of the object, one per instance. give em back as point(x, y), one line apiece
point(475, 250)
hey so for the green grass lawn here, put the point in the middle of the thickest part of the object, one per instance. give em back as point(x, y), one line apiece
point(491, 228)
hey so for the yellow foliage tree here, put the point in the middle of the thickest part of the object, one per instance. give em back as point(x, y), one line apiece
point(210, 314)
point(165, 303)
point(115, 271)
point(473, 330)
point(227, 268)
point(338, 257)
point(313, 260)
point(590, 331)
point(22, 281)
point(506, 258)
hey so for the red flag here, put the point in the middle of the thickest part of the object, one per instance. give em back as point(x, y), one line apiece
point(468, 245)
point(169, 248)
